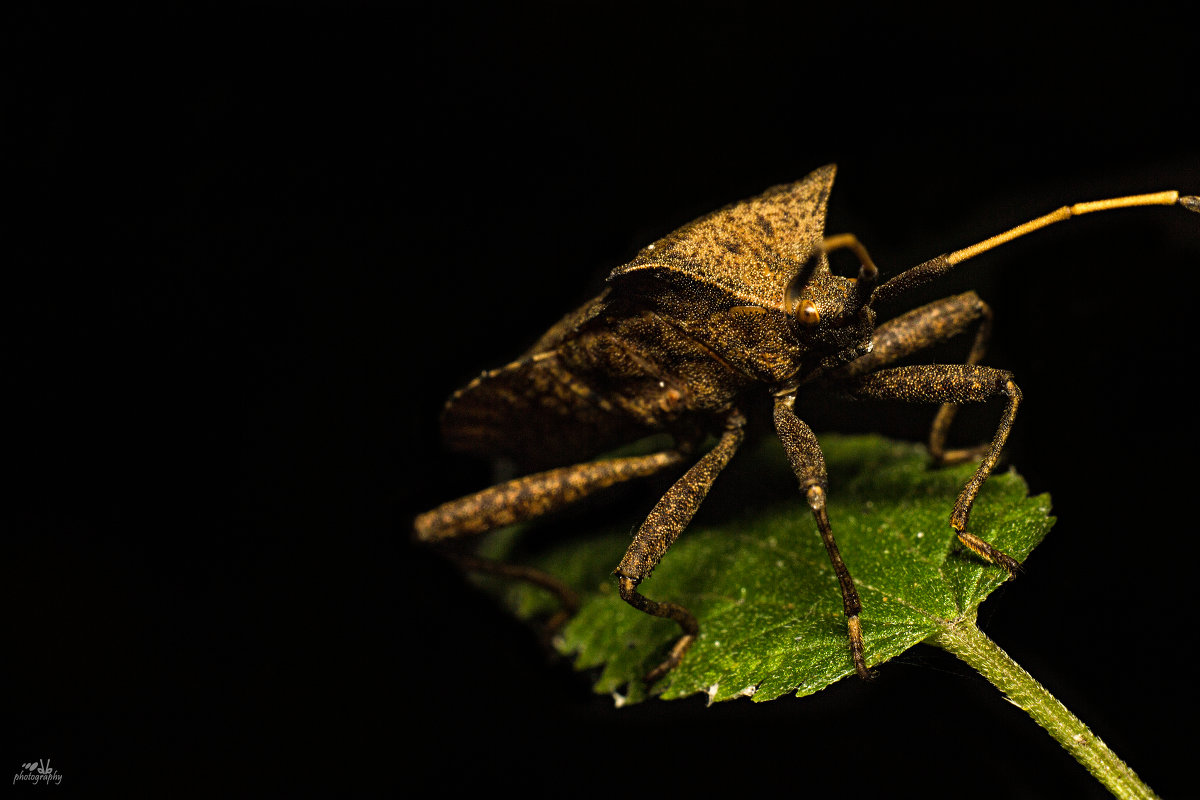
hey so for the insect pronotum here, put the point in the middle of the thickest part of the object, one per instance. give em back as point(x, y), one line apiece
point(738, 302)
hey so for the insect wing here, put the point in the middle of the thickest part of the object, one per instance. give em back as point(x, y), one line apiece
point(536, 412)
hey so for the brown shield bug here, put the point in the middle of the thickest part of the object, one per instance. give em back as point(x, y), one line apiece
point(738, 302)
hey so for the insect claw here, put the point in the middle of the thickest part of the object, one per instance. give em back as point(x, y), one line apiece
point(948, 458)
point(990, 553)
point(672, 660)
point(1191, 202)
point(1010, 564)
point(857, 649)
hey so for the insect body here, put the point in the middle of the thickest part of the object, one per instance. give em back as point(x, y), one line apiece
point(738, 302)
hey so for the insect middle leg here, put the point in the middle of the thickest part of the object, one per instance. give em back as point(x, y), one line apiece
point(662, 527)
point(957, 384)
point(918, 330)
point(527, 498)
point(804, 452)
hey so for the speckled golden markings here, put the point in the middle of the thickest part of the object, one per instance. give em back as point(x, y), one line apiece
point(740, 302)
point(534, 495)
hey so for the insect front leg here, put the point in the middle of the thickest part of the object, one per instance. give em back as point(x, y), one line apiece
point(957, 384)
point(922, 328)
point(660, 530)
point(808, 462)
point(527, 498)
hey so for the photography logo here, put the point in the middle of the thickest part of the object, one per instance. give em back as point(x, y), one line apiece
point(38, 772)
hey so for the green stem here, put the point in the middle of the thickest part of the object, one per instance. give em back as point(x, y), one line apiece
point(970, 644)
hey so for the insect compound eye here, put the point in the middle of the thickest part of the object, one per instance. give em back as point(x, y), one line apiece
point(802, 308)
point(807, 314)
point(795, 299)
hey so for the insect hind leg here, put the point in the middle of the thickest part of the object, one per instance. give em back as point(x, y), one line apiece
point(524, 499)
point(532, 496)
point(568, 600)
point(662, 527)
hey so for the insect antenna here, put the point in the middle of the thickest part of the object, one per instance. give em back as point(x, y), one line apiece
point(936, 267)
point(868, 273)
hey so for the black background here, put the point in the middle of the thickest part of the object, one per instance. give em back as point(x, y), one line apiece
point(249, 253)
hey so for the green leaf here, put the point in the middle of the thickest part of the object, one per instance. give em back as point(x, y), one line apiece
point(756, 576)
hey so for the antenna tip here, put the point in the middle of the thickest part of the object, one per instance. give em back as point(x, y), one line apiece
point(1191, 202)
